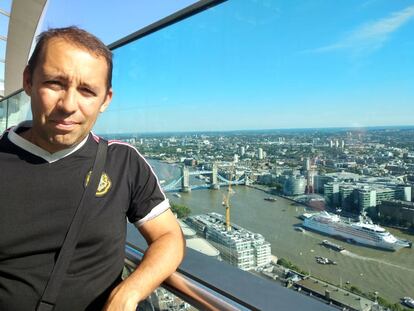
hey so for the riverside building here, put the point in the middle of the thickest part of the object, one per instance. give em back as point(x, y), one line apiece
point(294, 185)
point(240, 247)
point(359, 197)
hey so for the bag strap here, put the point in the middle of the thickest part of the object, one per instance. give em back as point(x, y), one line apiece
point(49, 297)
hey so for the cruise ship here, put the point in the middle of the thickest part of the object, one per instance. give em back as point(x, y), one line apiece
point(362, 232)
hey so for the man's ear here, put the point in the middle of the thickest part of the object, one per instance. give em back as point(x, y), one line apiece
point(27, 81)
point(108, 98)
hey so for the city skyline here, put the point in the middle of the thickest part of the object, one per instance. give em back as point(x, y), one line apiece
point(274, 131)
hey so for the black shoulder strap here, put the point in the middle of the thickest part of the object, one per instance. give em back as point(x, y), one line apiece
point(48, 300)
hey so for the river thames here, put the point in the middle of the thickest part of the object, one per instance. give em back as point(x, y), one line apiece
point(389, 273)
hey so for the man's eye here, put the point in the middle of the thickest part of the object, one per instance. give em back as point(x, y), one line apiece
point(87, 91)
point(54, 83)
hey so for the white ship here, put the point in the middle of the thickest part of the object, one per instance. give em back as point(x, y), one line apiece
point(362, 232)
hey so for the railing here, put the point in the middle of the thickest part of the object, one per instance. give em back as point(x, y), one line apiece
point(183, 287)
point(208, 284)
point(13, 109)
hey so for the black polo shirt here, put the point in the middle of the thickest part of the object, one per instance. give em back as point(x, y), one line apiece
point(39, 193)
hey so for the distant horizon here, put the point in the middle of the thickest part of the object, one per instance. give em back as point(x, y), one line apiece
point(339, 128)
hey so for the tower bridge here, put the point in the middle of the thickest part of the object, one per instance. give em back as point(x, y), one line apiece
point(214, 180)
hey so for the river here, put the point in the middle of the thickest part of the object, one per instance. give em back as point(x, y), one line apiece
point(389, 273)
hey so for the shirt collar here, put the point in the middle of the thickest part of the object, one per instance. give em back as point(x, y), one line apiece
point(36, 150)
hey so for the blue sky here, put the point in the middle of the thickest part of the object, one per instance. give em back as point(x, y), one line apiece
point(257, 64)
point(110, 20)
point(5, 5)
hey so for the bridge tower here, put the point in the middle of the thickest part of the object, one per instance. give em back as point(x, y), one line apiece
point(246, 179)
point(185, 182)
point(214, 184)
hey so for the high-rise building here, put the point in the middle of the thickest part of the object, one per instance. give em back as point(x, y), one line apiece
point(348, 197)
point(242, 150)
point(260, 154)
point(319, 182)
point(403, 192)
point(385, 194)
point(367, 197)
point(331, 193)
point(307, 164)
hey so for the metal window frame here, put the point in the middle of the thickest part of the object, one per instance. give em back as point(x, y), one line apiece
point(176, 17)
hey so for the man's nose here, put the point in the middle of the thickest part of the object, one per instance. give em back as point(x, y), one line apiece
point(68, 101)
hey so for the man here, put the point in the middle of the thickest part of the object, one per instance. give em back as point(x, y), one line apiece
point(45, 166)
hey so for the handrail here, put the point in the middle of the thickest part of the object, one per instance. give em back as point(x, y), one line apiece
point(178, 16)
point(237, 288)
point(183, 287)
point(11, 95)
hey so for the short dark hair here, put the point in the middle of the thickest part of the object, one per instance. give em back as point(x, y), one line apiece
point(78, 37)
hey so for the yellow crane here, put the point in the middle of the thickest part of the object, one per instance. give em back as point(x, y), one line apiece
point(226, 202)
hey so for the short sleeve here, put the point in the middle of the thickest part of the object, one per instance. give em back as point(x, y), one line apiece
point(148, 200)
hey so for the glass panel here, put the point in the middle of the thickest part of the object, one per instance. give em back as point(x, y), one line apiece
point(2, 66)
point(301, 110)
point(4, 25)
point(6, 5)
point(3, 115)
point(14, 109)
point(18, 109)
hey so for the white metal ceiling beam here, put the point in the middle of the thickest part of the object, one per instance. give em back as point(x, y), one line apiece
point(24, 19)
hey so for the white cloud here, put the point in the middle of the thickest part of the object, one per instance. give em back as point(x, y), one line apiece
point(371, 36)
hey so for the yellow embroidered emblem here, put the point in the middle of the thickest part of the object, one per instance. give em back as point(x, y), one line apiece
point(104, 184)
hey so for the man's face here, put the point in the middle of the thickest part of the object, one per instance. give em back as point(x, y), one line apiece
point(68, 91)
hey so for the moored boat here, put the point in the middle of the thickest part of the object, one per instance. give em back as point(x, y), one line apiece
point(408, 301)
point(324, 261)
point(306, 215)
point(333, 246)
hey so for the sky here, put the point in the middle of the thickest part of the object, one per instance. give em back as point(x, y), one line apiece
point(5, 6)
point(270, 64)
point(254, 64)
point(106, 19)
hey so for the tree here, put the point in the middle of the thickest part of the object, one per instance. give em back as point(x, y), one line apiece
point(182, 211)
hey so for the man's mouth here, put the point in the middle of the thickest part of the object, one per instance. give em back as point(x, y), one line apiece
point(65, 125)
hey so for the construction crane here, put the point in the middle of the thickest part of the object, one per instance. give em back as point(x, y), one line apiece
point(226, 202)
point(310, 174)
